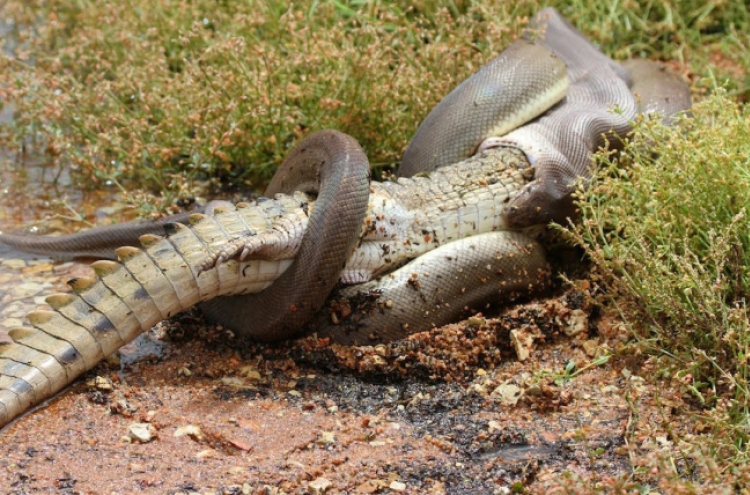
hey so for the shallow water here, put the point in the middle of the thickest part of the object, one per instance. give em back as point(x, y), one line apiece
point(41, 195)
point(35, 198)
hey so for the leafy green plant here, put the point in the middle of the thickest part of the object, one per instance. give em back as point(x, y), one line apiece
point(206, 95)
point(667, 226)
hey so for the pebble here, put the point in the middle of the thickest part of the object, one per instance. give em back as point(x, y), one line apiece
point(38, 268)
point(397, 486)
point(610, 389)
point(476, 322)
point(40, 299)
point(190, 430)
point(142, 432)
point(28, 289)
point(13, 264)
point(378, 360)
point(232, 381)
point(577, 322)
point(17, 309)
point(63, 268)
point(534, 390)
point(590, 347)
point(103, 384)
point(320, 485)
point(479, 389)
point(508, 394)
point(250, 373)
point(326, 437)
point(203, 454)
point(523, 342)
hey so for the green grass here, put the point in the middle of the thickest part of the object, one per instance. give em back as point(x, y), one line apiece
point(177, 99)
point(216, 93)
point(183, 99)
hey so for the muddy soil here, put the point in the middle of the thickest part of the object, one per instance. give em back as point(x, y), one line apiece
point(542, 397)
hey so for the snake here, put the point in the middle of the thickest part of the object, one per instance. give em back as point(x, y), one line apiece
point(324, 250)
point(550, 94)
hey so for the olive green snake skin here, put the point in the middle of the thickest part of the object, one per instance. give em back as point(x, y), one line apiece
point(276, 261)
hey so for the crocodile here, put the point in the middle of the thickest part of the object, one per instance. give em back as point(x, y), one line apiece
point(422, 250)
point(242, 250)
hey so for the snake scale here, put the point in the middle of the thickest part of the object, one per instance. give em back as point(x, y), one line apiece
point(415, 252)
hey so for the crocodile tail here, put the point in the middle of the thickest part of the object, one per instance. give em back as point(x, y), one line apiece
point(146, 285)
point(100, 316)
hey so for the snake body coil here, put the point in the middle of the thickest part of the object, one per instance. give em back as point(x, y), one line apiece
point(521, 83)
point(333, 166)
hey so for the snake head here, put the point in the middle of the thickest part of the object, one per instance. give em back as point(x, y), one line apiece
point(548, 198)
